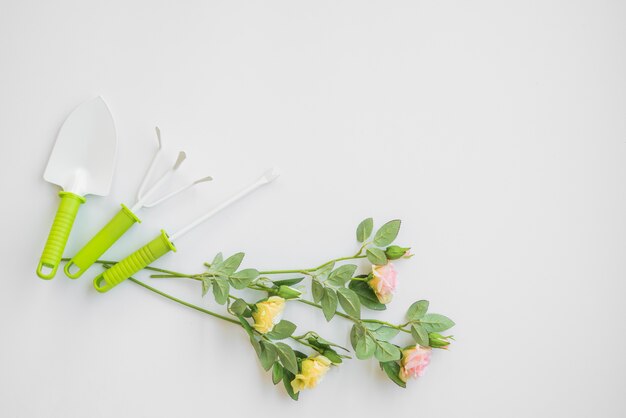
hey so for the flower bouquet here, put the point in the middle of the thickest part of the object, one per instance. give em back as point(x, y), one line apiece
point(338, 288)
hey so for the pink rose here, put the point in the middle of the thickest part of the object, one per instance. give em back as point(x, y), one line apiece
point(414, 362)
point(384, 282)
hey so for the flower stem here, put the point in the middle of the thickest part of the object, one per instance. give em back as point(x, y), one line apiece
point(206, 311)
point(182, 302)
point(310, 270)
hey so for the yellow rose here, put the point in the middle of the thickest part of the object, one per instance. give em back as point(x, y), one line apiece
point(313, 369)
point(268, 313)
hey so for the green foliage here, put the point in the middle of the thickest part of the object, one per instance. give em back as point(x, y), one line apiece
point(384, 333)
point(284, 329)
point(287, 357)
point(341, 275)
point(329, 303)
point(386, 351)
point(364, 230)
point(392, 370)
point(242, 278)
point(220, 290)
point(433, 322)
point(287, 378)
point(349, 302)
point(387, 233)
point(277, 373)
point(323, 272)
point(288, 282)
point(250, 331)
point(217, 260)
point(376, 256)
point(317, 290)
point(239, 307)
point(420, 335)
point(206, 285)
point(365, 347)
point(366, 295)
point(230, 265)
point(269, 354)
point(417, 310)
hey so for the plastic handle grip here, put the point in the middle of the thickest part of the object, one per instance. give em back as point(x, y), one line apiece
point(59, 233)
point(141, 258)
point(101, 242)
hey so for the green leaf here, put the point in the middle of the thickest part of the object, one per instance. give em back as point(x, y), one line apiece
point(332, 355)
point(364, 230)
point(220, 289)
point(219, 259)
point(320, 340)
point(372, 326)
point(433, 322)
point(420, 335)
point(323, 272)
point(317, 290)
point(329, 303)
point(256, 346)
point(366, 295)
point(365, 348)
point(277, 373)
point(387, 352)
point(385, 333)
point(376, 256)
point(246, 326)
point(341, 275)
point(349, 302)
point(206, 285)
point(288, 282)
point(387, 233)
point(238, 307)
point(282, 330)
point(268, 356)
point(287, 378)
point(392, 370)
point(300, 355)
point(231, 264)
point(417, 310)
point(242, 278)
point(356, 334)
point(287, 357)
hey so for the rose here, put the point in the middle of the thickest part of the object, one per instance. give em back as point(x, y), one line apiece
point(384, 282)
point(268, 313)
point(414, 362)
point(313, 369)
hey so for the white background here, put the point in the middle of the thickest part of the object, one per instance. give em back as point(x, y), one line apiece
point(494, 129)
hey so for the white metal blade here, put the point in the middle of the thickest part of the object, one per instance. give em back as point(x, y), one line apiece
point(83, 158)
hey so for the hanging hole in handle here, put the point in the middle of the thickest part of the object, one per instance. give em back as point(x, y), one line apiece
point(97, 283)
point(46, 270)
point(72, 274)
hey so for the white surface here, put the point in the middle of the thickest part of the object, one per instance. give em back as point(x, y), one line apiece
point(495, 130)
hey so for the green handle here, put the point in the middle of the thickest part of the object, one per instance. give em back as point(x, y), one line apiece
point(141, 258)
point(59, 233)
point(101, 242)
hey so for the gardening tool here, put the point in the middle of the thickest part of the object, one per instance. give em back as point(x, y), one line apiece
point(82, 163)
point(164, 243)
point(125, 217)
